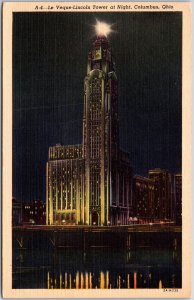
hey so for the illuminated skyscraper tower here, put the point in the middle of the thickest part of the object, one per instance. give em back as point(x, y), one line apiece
point(101, 140)
point(91, 184)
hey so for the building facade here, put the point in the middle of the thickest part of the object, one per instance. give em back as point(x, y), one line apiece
point(34, 213)
point(143, 198)
point(65, 185)
point(108, 185)
point(178, 198)
point(98, 186)
point(163, 194)
point(16, 212)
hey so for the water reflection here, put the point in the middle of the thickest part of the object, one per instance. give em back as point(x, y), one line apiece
point(105, 280)
point(97, 268)
point(90, 280)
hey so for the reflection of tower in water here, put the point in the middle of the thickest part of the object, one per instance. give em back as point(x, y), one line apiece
point(103, 280)
point(80, 280)
point(105, 269)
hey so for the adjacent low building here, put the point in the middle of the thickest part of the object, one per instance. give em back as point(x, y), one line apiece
point(163, 204)
point(158, 198)
point(65, 185)
point(178, 198)
point(143, 198)
point(34, 213)
point(16, 212)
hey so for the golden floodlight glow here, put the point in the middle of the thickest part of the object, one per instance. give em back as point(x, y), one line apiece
point(102, 28)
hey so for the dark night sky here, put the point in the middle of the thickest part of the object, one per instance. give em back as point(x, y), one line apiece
point(49, 65)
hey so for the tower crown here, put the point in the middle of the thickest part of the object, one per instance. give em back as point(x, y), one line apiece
point(100, 57)
point(101, 38)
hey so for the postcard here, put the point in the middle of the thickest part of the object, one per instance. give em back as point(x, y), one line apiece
point(96, 150)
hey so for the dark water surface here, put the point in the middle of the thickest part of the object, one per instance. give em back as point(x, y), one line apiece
point(140, 267)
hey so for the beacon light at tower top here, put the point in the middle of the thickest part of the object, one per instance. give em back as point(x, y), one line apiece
point(102, 28)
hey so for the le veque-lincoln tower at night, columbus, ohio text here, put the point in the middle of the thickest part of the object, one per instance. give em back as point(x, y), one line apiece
point(91, 183)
